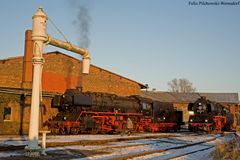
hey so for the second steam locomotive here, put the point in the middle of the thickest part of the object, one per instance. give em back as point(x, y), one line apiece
point(209, 116)
point(108, 113)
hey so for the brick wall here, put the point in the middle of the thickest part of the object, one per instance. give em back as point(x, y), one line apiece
point(182, 107)
point(20, 113)
point(62, 72)
point(44, 114)
point(100, 80)
point(234, 109)
point(11, 72)
point(10, 126)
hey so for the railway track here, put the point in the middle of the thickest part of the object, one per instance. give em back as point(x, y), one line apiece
point(64, 149)
point(192, 152)
point(153, 147)
point(85, 142)
point(147, 153)
point(169, 155)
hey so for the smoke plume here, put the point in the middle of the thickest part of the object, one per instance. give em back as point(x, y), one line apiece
point(82, 22)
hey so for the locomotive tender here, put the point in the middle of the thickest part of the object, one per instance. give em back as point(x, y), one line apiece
point(92, 112)
point(209, 116)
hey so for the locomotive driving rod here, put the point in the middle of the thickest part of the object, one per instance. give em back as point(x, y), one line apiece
point(70, 47)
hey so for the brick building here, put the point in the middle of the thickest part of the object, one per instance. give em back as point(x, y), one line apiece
point(181, 100)
point(60, 72)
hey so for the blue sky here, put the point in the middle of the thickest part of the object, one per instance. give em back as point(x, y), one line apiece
point(148, 41)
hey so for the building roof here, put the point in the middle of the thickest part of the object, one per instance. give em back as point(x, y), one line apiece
point(222, 97)
point(191, 97)
point(160, 96)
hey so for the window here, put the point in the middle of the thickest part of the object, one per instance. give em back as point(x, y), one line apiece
point(7, 113)
point(146, 106)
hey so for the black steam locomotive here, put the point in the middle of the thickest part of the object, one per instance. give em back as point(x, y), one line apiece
point(209, 116)
point(108, 113)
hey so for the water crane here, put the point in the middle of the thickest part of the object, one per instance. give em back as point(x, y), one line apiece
point(40, 40)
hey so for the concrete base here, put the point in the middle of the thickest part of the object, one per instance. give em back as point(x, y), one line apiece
point(32, 152)
point(43, 152)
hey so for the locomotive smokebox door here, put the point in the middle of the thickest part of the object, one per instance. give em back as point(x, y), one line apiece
point(82, 100)
point(56, 101)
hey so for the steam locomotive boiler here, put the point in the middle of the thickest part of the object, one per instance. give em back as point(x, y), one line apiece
point(209, 116)
point(91, 112)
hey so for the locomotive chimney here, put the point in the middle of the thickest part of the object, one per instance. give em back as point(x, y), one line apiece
point(27, 60)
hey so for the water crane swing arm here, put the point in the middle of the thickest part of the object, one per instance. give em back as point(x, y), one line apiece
point(73, 48)
point(68, 46)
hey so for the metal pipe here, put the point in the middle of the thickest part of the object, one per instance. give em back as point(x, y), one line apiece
point(71, 47)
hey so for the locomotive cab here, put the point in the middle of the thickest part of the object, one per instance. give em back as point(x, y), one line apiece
point(162, 111)
point(146, 108)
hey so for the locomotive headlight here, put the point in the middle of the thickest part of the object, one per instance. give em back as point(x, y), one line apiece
point(164, 118)
point(206, 120)
point(190, 112)
point(191, 120)
point(64, 118)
